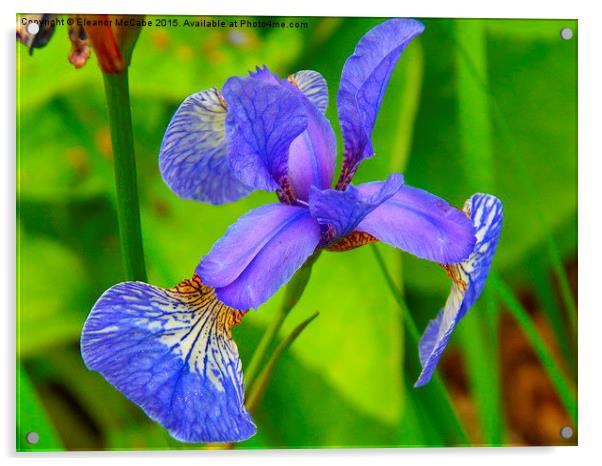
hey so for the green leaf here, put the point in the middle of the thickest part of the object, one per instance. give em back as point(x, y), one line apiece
point(51, 285)
point(32, 417)
point(256, 390)
point(478, 340)
point(564, 387)
point(303, 409)
point(541, 117)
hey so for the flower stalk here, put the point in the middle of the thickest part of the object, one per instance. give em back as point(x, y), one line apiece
point(126, 186)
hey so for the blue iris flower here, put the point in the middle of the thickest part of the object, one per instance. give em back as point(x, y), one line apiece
point(171, 350)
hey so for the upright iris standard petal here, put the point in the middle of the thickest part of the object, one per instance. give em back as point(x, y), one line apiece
point(312, 155)
point(420, 223)
point(263, 119)
point(171, 352)
point(469, 276)
point(364, 80)
point(341, 211)
point(193, 159)
point(264, 74)
point(259, 254)
point(313, 85)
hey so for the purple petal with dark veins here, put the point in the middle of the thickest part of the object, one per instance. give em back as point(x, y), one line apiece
point(486, 213)
point(342, 211)
point(263, 119)
point(193, 159)
point(170, 351)
point(364, 80)
point(420, 223)
point(312, 155)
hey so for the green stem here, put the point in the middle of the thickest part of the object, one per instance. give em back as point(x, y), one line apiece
point(292, 294)
point(412, 330)
point(126, 187)
point(563, 388)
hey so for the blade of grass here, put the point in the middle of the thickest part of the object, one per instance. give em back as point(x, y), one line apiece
point(473, 105)
point(434, 394)
point(477, 155)
point(262, 381)
point(480, 352)
point(293, 291)
point(547, 299)
point(532, 195)
point(565, 390)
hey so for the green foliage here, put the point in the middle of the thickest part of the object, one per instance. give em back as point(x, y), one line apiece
point(471, 107)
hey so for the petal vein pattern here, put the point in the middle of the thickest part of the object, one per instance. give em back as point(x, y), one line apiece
point(171, 352)
point(193, 158)
point(468, 277)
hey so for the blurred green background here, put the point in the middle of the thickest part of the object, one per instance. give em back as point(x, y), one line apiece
point(474, 105)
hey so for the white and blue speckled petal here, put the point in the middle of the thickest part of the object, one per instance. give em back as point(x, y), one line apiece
point(171, 352)
point(469, 276)
point(193, 159)
point(313, 85)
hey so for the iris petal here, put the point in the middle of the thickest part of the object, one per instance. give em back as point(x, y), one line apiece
point(364, 80)
point(342, 211)
point(420, 223)
point(259, 254)
point(264, 74)
point(263, 119)
point(312, 155)
point(486, 213)
point(313, 85)
point(193, 157)
point(171, 352)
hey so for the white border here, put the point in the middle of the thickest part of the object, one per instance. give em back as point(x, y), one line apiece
point(590, 153)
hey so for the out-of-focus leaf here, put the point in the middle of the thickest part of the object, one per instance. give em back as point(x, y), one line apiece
point(47, 73)
point(62, 152)
point(298, 406)
point(528, 30)
point(255, 393)
point(32, 417)
point(478, 340)
point(541, 116)
point(51, 284)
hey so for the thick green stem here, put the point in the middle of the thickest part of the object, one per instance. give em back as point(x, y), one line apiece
point(126, 186)
point(292, 294)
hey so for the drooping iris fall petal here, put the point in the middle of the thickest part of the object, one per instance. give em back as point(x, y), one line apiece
point(420, 223)
point(193, 159)
point(469, 276)
point(171, 352)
